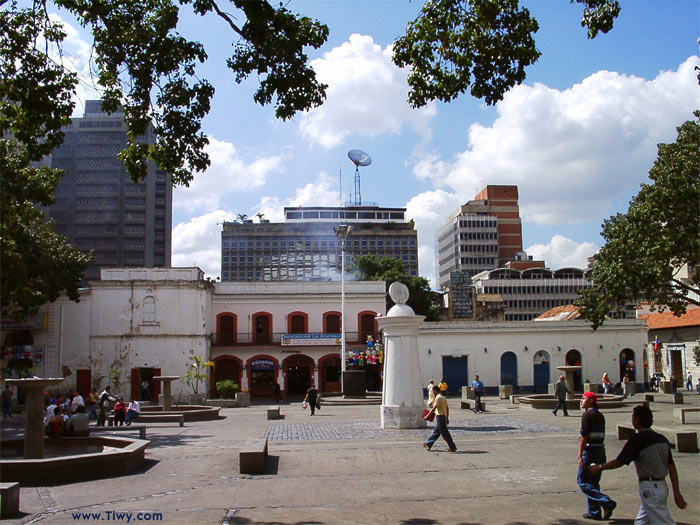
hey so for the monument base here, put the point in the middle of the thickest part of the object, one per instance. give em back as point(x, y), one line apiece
point(402, 417)
point(355, 383)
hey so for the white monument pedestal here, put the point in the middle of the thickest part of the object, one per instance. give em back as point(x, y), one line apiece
point(402, 397)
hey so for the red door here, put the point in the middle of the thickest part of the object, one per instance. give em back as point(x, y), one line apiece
point(135, 383)
point(83, 381)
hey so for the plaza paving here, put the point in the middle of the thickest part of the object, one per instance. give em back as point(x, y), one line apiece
point(513, 466)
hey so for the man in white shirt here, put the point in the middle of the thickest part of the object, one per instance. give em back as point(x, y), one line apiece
point(78, 423)
point(49, 410)
point(133, 411)
point(431, 395)
point(76, 402)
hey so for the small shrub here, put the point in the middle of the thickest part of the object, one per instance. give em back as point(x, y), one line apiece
point(226, 388)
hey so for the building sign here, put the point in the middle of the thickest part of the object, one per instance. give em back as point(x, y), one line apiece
point(461, 295)
point(262, 364)
point(310, 339)
point(32, 322)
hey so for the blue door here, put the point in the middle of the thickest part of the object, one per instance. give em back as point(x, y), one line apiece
point(540, 371)
point(455, 373)
point(509, 370)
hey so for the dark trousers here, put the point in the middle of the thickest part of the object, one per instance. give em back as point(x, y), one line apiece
point(477, 402)
point(561, 403)
point(441, 430)
point(312, 406)
point(590, 484)
point(6, 408)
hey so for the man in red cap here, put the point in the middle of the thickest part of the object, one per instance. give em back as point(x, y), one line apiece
point(591, 450)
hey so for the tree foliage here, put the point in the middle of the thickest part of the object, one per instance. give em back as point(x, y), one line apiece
point(421, 298)
point(660, 233)
point(36, 263)
point(482, 46)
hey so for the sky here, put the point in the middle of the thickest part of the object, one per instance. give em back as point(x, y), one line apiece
point(578, 137)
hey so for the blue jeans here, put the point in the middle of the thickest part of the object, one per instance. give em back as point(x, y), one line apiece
point(130, 414)
point(590, 484)
point(441, 430)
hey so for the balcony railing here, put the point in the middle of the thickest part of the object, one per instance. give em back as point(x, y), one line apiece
point(275, 338)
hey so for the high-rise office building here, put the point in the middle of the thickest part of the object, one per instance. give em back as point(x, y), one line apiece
point(98, 207)
point(306, 248)
point(483, 234)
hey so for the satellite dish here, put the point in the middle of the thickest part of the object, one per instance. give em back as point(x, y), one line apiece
point(358, 158)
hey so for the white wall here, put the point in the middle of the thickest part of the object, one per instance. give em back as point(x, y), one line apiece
point(469, 339)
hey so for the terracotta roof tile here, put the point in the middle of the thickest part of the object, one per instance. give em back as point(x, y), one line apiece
point(560, 313)
point(667, 320)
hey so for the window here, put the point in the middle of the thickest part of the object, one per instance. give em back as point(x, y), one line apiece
point(149, 309)
point(332, 325)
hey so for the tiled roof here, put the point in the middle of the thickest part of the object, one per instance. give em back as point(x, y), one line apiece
point(667, 320)
point(560, 313)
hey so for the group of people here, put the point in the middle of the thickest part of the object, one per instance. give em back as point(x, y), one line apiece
point(440, 411)
point(71, 415)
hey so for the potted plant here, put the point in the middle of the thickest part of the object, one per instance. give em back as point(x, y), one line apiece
point(196, 374)
point(227, 389)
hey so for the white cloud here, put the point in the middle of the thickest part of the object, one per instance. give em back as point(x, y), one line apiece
point(562, 252)
point(367, 95)
point(429, 210)
point(572, 152)
point(318, 193)
point(197, 242)
point(228, 172)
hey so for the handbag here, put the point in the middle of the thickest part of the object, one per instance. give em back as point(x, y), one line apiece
point(425, 413)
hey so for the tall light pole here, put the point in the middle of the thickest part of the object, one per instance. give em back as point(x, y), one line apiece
point(342, 231)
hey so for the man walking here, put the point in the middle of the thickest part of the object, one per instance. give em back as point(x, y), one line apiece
point(102, 404)
point(560, 391)
point(689, 382)
point(478, 389)
point(652, 458)
point(591, 450)
point(442, 419)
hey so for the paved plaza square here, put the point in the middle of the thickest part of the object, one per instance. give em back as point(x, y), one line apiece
point(513, 466)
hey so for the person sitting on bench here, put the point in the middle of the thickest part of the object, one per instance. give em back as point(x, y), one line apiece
point(133, 411)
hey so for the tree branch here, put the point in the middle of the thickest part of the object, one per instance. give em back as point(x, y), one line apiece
point(687, 288)
point(227, 18)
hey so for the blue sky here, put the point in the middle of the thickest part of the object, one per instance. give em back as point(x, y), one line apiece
point(578, 137)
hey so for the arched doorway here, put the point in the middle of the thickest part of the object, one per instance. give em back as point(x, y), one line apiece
point(366, 326)
point(628, 365)
point(329, 370)
point(262, 375)
point(227, 367)
point(540, 371)
point(573, 358)
point(298, 373)
point(509, 369)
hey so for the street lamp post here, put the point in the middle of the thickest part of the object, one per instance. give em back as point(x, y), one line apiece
point(342, 231)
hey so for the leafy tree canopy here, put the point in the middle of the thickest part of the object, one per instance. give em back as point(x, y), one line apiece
point(421, 298)
point(660, 234)
point(480, 45)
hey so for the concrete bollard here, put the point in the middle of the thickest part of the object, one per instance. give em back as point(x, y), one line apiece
point(624, 432)
point(677, 399)
point(686, 442)
point(649, 397)
point(505, 391)
point(590, 387)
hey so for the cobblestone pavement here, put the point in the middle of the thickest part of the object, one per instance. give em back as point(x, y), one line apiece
point(372, 430)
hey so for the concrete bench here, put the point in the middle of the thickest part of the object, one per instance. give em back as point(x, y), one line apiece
point(649, 397)
point(154, 418)
point(680, 413)
point(140, 428)
point(677, 399)
point(681, 441)
point(467, 405)
point(252, 456)
point(9, 500)
point(274, 413)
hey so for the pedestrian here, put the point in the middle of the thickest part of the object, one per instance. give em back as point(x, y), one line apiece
point(78, 424)
point(698, 387)
point(651, 453)
point(145, 390)
point(7, 402)
point(607, 384)
point(102, 404)
point(560, 391)
point(277, 391)
point(478, 389)
point(689, 382)
point(625, 386)
point(92, 404)
point(311, 397)
point(443, 387)
point(441, 411)
point(431, 394)
point(49, 410)
point(591, 450)
point(133, 411)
